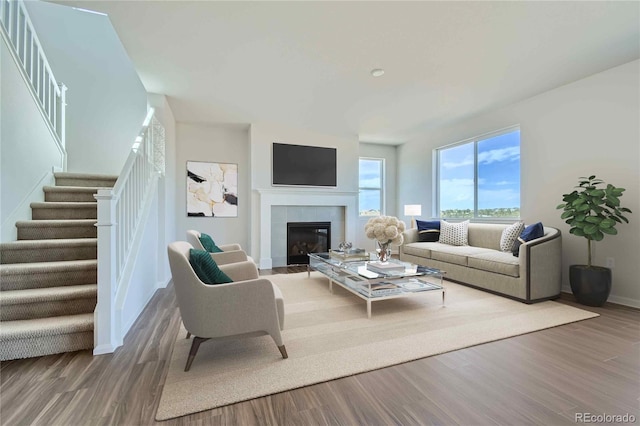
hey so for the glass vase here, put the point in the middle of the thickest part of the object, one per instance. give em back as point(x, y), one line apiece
point(383, 252)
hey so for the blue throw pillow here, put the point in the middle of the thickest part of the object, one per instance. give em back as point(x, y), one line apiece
point(529, 233)
point(208, 244)
point(428, 231)
point(206, 268)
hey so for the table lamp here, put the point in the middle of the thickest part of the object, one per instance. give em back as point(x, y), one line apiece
point(412, 210)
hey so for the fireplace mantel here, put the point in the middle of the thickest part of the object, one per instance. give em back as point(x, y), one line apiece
point(300, 197)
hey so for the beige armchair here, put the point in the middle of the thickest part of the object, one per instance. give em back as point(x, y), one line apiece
point(231, 253)
point(248, 307)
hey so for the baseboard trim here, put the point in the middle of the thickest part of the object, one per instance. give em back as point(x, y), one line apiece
point(104, 349)
point(616, 300)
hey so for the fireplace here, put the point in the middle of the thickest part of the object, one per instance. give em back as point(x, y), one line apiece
point(307, 237)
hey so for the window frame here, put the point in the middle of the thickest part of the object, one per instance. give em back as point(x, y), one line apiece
point(381, 188)
point(474, 140)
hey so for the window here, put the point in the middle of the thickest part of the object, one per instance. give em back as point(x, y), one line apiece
point(370, 182)
point(479, 178)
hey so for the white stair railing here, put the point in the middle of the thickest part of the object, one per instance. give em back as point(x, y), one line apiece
point(120, 225)
point(25, 46)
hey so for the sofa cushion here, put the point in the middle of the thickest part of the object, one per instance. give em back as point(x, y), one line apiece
point(418, 249)
point(495, 261)
point(428, 231)
point(486, 235)
point(455, 234)
point(454, 254)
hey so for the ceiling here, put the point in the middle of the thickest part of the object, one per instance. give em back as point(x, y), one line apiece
point(307, 64)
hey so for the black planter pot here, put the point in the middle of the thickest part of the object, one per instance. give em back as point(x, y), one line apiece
point(590, 285)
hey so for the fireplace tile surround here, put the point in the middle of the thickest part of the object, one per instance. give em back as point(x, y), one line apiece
point(281, 215)
point(279, 205)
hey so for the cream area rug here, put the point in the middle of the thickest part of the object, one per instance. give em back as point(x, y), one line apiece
point(329, 336)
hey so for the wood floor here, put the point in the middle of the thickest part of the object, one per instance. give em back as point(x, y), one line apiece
point(542, 378)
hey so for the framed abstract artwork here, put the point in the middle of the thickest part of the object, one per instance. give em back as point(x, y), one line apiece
point(212, 189)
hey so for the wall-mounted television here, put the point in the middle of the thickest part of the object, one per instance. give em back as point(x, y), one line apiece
point(304, 165)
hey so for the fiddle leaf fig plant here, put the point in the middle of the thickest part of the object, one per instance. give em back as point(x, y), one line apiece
point(592, 210)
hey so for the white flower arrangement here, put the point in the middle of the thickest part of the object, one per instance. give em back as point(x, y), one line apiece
point(385, 229)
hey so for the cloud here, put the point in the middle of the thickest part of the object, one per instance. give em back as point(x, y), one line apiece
point(486, 157)
point(373, 182)
point(503, 154)
point(498, 198)
point(455, 191)
point(466, 161)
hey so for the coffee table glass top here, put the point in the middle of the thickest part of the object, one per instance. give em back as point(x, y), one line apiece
point(356, 277)
point(360, 267)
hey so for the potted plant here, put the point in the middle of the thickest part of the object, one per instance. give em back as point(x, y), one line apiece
point(592, 211)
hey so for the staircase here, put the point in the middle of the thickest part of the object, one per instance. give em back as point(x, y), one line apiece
point(48, 278)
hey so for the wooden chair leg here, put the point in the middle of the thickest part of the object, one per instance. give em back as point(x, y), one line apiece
point(188, 335)
point(283, 351)
point(195, 345)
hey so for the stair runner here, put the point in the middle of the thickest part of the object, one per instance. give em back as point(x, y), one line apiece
point(48, 278)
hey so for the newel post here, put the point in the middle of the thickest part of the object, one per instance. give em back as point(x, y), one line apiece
point(105, 333)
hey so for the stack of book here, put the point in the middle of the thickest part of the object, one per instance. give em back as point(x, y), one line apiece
point(380, 289)
point(349, 255)
point(385, 267)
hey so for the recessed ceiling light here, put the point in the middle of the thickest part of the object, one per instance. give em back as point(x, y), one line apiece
point(377, 72)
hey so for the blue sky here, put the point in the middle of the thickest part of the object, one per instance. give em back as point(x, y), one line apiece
point(498, 174)
point(369, 177)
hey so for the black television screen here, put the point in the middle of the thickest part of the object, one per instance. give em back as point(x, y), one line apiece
point(304, 165)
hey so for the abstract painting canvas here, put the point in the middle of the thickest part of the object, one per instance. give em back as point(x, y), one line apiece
point(212, 189)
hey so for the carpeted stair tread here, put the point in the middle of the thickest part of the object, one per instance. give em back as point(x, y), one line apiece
point(85, 179)
point(43, 327)
point(55, 223)
point(42, 267)
point(64, 204)
point(18, 276)
point(57, 210)
point(89, 189)
point(44, 244)
point(49, 294)
point(50, 229)
point(70, 193)
point(31, 251)
point(99, 176)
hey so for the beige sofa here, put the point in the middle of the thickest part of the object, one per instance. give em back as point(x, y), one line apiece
point(533, 277)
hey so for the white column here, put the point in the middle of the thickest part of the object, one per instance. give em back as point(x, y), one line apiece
point(105, 331)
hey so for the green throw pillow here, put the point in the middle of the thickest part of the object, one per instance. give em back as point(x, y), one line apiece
point(206, 268)
point(208, 244)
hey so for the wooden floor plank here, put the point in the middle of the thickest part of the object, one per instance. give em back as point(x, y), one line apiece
point(538, 378)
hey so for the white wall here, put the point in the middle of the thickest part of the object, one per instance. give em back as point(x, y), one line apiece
point(217, 144)
point(591, 126)
point(262, 136)
point(166, 185)
point(28, 150)
point(391, 208)
point(106, 102)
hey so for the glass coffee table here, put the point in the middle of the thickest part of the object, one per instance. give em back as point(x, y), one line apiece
point(397, 279)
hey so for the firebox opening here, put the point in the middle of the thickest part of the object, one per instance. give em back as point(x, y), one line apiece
point(307, 237)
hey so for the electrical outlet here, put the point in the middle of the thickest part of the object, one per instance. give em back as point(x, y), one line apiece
point(611, 263)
